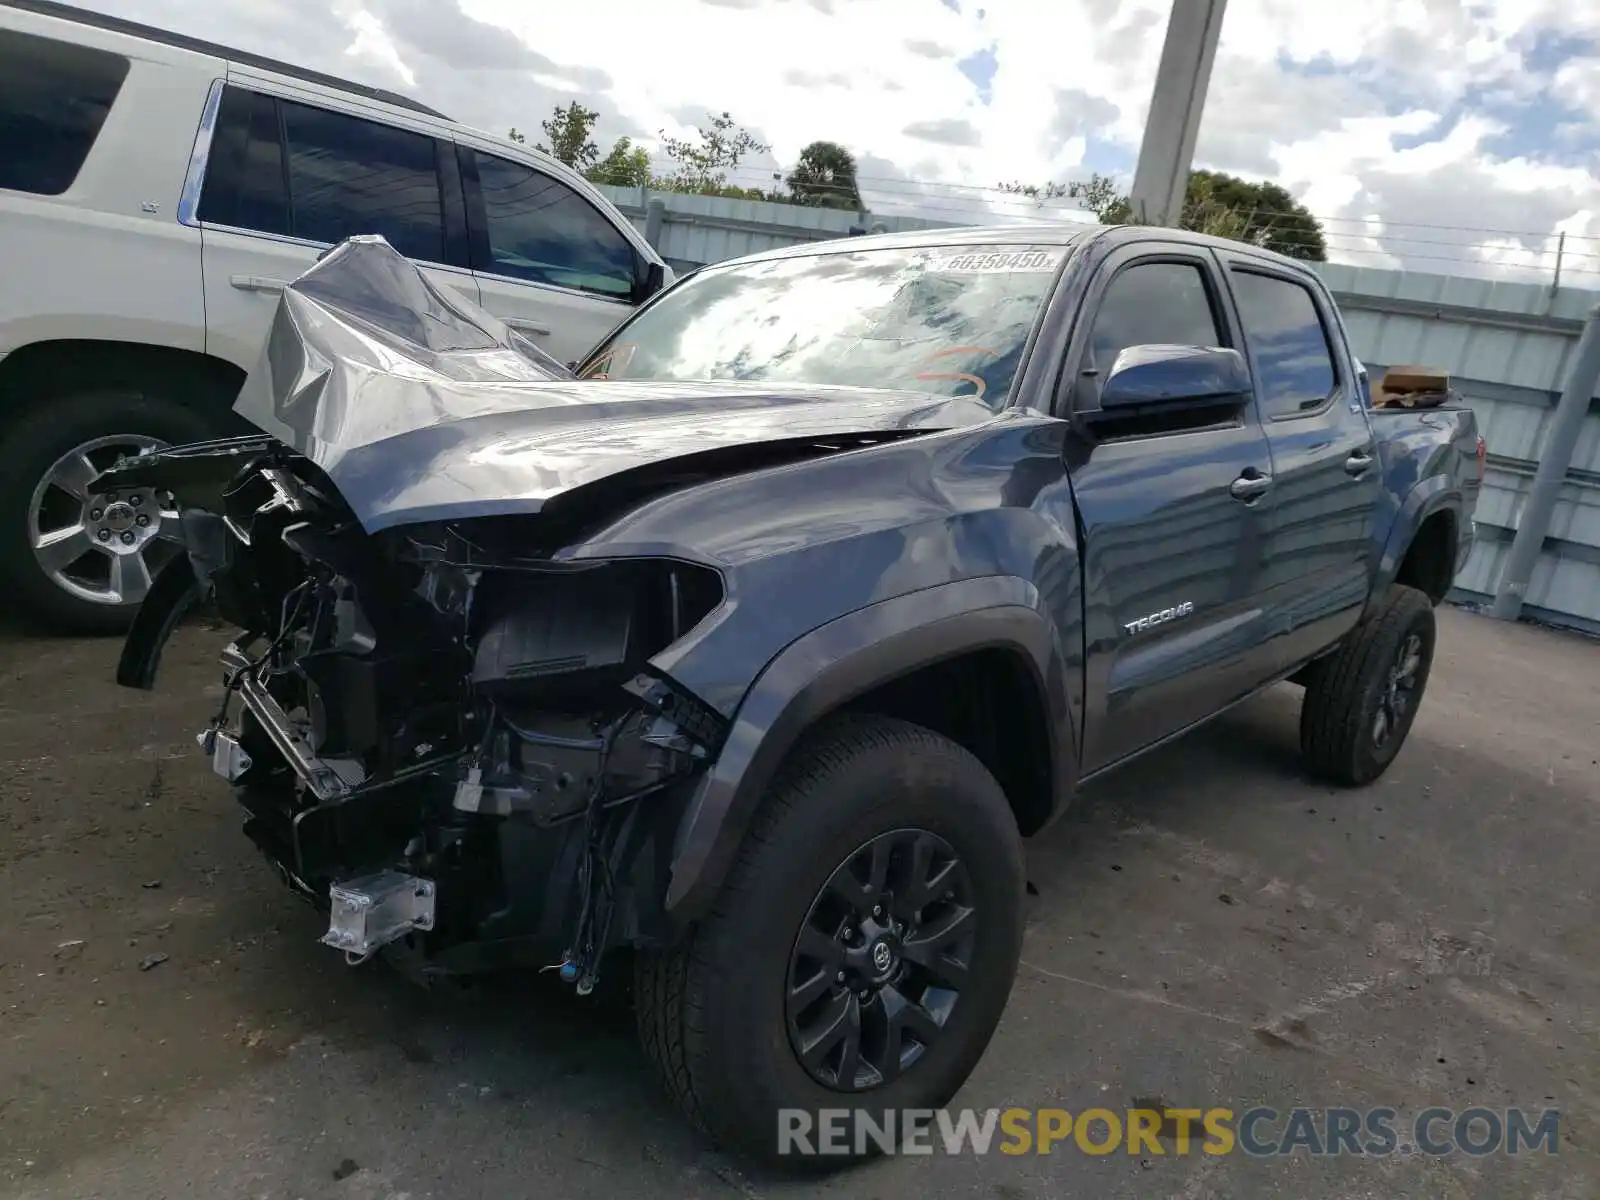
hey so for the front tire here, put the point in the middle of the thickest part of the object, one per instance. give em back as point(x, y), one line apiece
point(1361, 700)
point(860, 954)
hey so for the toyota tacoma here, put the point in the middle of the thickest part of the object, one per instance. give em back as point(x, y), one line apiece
point(759, 642)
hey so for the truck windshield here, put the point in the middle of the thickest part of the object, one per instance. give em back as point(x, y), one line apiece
point(951, 320)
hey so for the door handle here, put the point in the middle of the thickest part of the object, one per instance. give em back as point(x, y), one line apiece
point(1250, 486)
point(522, 326)
point(1358, 463)
point(257, 283)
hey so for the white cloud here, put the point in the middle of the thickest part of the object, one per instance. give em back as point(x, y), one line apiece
point(672, 57)
point(1383, 116)
point(1579, 80)
point(374, 45)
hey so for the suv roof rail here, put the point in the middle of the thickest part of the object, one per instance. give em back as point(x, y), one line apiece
point(83, 16)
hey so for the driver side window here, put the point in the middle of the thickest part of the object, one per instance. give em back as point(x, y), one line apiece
point(1153, 303)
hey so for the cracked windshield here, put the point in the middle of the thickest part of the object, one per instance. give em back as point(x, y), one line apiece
point(951, 320)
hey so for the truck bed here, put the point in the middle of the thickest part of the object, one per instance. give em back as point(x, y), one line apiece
point(1427, 444)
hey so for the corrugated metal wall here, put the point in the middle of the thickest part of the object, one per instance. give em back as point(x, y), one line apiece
point(707, 229)
point(1507, 345)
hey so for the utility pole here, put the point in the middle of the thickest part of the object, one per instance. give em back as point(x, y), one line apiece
point(1162, 176)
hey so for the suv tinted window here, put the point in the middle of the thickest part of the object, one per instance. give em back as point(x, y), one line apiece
point(244, 184)
point(1284, 330)
point(343, 176)
point(349, 176)
point(1155, 303)
point(54, 97)
point(538, 228)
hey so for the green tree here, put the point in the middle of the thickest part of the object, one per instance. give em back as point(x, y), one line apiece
point(1040, 192)
point(1262, 214)
point(626, 166)
point(700, 164)
point(825, 177)
point(567, 132)
point(1097, 194)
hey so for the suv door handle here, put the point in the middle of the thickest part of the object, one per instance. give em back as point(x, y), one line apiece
point(1358, 463)
point(1252, 485)
point(522, 326)
point(257, 283)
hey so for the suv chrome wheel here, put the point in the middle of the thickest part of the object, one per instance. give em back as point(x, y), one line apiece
point(101, 548)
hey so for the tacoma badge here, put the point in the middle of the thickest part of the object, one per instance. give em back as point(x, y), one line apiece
point(1159, 618)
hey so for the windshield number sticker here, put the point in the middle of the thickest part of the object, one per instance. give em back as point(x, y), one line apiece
point(998, 263)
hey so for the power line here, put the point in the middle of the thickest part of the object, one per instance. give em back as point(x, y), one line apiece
point(975, 202)
point(976, 193)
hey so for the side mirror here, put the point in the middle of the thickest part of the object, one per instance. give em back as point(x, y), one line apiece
point(651, 282)
point(1166, 377)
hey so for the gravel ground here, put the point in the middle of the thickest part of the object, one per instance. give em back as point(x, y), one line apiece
point(1210, 931)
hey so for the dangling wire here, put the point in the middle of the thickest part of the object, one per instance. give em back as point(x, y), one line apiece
point(287, 620)
point(595, 881)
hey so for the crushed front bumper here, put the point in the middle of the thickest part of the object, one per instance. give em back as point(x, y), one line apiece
point(404, 866)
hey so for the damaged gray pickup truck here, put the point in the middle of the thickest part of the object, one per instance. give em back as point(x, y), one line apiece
point(757, 643)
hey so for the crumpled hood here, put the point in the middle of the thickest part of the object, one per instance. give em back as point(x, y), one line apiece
point(420, 406)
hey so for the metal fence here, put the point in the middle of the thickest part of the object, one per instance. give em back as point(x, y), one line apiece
point(1508, 346)
point(689, 231)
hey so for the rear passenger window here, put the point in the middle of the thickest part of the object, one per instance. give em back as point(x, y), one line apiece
point(1150, 304)
point(54, 97)
point(285, 168)
point(1294, 365)
point(540, 229)
point(244, 184)
point(349, 176)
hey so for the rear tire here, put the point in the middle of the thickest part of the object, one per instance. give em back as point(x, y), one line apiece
point(1361, 701)
point(80, 596)
point(723, 1015)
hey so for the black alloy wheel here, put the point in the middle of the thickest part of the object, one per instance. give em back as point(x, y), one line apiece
point(880, 960)
point(1400, 693)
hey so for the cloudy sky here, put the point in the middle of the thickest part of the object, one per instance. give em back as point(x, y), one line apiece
point(1456, 136)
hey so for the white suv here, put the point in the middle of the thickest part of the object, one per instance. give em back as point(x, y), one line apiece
point(155, 194)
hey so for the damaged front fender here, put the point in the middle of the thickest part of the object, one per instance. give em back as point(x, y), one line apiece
point(824, 670)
